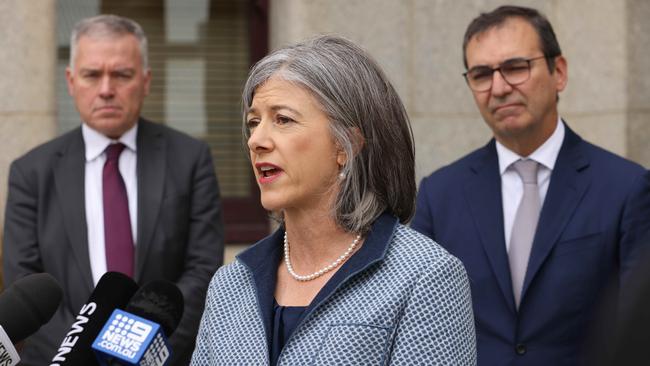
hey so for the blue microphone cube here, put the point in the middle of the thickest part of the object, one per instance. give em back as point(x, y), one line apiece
point(131, 340)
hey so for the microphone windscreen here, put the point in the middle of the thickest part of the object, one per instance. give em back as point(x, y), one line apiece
point(27, 304)
point(113, 291)
point(159, 301)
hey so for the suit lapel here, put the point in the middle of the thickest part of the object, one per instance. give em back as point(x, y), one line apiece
point(151, 158)
point(483, 192)
point(69, 179)
point(568, 184)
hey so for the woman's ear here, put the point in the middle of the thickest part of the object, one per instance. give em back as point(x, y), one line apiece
point(358, 142)
point(341, 157)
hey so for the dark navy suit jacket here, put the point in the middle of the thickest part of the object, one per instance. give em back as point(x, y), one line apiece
point(594, 213)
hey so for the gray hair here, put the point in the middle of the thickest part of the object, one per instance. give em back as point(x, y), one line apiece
point(108, 26)
point(367, 120)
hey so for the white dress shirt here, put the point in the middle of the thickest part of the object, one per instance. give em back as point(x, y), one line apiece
point(512, 188)
point(96, 144)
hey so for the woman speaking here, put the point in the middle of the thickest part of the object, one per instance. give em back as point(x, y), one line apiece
point(342, 281)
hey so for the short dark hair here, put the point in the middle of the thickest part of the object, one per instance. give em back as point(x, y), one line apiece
point(356, 96)
point(485, 21)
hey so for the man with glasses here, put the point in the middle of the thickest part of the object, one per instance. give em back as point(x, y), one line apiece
point(541, 219)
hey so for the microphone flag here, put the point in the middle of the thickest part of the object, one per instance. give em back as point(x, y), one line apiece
point(132, 340)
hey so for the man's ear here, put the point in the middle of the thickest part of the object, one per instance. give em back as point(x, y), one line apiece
point(561, 73)
point(147, 81)
point(69, 78)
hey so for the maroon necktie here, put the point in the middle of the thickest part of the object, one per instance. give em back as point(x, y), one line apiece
point(117, 224)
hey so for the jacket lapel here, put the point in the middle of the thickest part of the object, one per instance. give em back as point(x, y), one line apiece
point(483, 192)
point(151, 158)
point(262, 260)
point(69, 179)
point(568, 184)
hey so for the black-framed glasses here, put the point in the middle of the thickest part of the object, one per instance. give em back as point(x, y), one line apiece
point(514, 71)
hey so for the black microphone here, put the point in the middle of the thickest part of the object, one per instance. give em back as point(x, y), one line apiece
point(113, 291)
point(159, 301)
point(138, 336)
point(26, 305)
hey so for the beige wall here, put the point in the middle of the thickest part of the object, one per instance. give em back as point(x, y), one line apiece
point(638, 88)
point(27, 61)
point(418, 42)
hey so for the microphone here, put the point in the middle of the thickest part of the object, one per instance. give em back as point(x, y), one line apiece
point(138, 336)
point(113, 290)
point(24, 306)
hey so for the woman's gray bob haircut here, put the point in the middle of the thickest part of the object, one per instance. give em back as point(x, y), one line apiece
point(367, 120)
point(108, 26)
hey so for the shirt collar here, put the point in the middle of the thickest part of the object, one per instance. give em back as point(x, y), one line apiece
point(96, 142)
point(545, 154)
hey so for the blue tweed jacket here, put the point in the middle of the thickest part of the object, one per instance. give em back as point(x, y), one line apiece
point(400, 300)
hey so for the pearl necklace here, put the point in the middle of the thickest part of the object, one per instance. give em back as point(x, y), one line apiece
point(322, 271)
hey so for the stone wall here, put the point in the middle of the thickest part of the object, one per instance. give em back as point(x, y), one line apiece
point(27, 61)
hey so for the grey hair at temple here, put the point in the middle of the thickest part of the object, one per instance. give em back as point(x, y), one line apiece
point(367, 121)
point(109, 26)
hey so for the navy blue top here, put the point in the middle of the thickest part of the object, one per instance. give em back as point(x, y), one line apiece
point(285, 320)
point(264, 258)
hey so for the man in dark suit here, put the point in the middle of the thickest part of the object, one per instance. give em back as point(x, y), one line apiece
point(540, 218)
point(118, 193)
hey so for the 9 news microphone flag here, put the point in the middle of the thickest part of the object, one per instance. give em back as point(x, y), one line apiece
point(132, 340)
point(138, 336)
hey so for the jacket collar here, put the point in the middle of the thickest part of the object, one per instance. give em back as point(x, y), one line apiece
point(69, 168)
point(263, 259)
